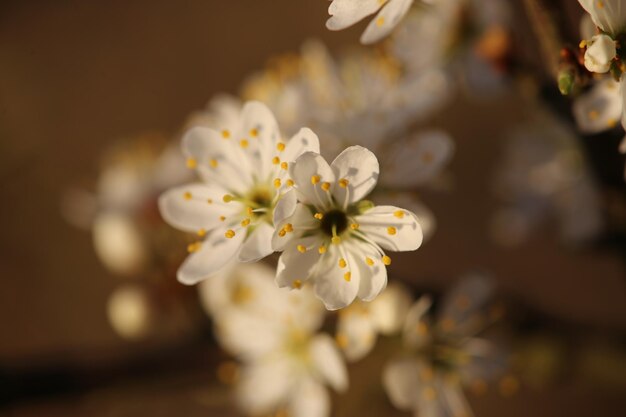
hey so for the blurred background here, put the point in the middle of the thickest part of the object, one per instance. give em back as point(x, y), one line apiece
point(78, 77)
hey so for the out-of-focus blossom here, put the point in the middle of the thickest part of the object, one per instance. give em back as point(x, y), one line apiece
point(130, 311)
point(543, 174)
point(286, 363)
point(345, 13)
point(360, 324)
point(244, 173)
point(600, 108)
point(608, 15)
point(444, 353)
point(333, 238)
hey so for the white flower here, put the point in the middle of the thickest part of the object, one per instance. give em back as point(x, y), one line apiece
point(600, 53)
point(608, 15)
point(244, 173)
point(360, 323)
point(285, 362)
point(445, 355)
point(334, 239)
point(345, 13)
point(600, 108)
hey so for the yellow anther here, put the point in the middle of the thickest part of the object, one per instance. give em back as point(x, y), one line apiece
point(225, 134)
point(284, 165)
point(343, 183)
point(213, 163)
point(380, 21)
point(187, 195)
point(245, 222)
point(479, 387)
point(244, 143)
point(222, 218)
point(275, 160)
point(254, 133)
point(315, 179)
point(354, 226)
point(288, 227)
point(386, 260)
point(227, 198)
point(290, 183)
point(297, 284)
point(194, 247)
point(611, 123)
point(600, 4)
point(342, 263)
point(230, 234)
point(277, 183)
point(202, 232)
point(429, 393)
point(191, 163)
point(318, 216)
point(508, 386)
point(347, 276)
point(369, 261)
point(593, 114)
point(250, 211)
point(280, 146)
point(399, 214)
point(335, 240)
point(392, 230)
point(301, 248)
point(282, 233)
point(325, 186)
point(582, 44)
point(209, 200)
point(342, 340)
point(322, 250)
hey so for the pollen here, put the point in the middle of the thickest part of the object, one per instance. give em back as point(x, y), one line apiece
point(225, 133)
point(284, 165)
point(342, 263)
point(369, 261)
point(354, 226)
point(335, 240)
point(386, 260)
point(290, 183)
point(288, 227)
point(315, 179)
point(343, 183)
point(191, 163)
point(582, 44)
point(194, 247)
point(280, 146)
point(230, 233)
point(392, 230)
point(245, 222)
point(213, 163)
point(399, 214)
point(297, 284)
point(347, 276)
point(227, 198)
point(301, 248)
point(322, 250)
point(380, 21)
point(202, 232)
point(277, 183)
point(275, 160)
point(325, 186)
point(282, 233)
point(222, 218)
point(244, 143)
point(187, 196)
point(254, 133)
point(318, 216)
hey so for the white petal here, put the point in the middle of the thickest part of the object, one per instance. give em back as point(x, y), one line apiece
point(285, 206)
point(383, 226)
point(416, 319)
point(373, 278)
point(360, 168)
point(386, 20)
point(409, 200)
point(258, 244)
point(389, 310)
point(302, 171)
point(309, 399)
point(608, 15)
point(250, 335)
point(264, 386)
point(258, 126)
point(418, 159)
point(302, 220)
point(215, 252)
point(401, 382)
point(328, 362)
point(464, 301)
point(345, 13)
point(193, 207)
point(355, 333)
point(622, 87)
point(296, 266)
point(330, 283)
point(303, 141)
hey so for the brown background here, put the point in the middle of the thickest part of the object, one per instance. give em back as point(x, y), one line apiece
point(76, 75)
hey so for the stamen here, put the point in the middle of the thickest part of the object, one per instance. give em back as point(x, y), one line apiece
point(280, 146)
point(288, 227)
point(230, 234)
point(284, 165)
point(227, 198)
point(318, 216)
point(277, 183)
point(322, 250)
point(429, 393)
point(391, 230)
point(347, 276)
point(593, 114)
point(386, 260)
point(213, 163)
point(282, 232)
point(194, 247)
point(342, 340)
point(191, 163)
point(301, 248)
point(354, 226)
point(275, 160)
point(209, 200)
point(250, 211)
point(297, 284)
point(202, 232)
point(380, 21)
point(369, 261)
point(245, 222)
point(290, 183)
point(244, 143)
point(399, 214)
point(187, 196)
point(315, 179)
point(254, 133)
point(582, 44)
point(326, 186)
point(335, 240)
point(342, 263)
point(225, 134)
point(343, 183)
point(222, 218)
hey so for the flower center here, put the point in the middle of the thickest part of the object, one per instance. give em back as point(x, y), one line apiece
point(334, 222)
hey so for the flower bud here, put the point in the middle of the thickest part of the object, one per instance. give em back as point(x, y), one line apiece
point(600, 53)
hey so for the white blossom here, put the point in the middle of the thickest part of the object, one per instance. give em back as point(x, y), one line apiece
point(608, 15)
point(600, 53)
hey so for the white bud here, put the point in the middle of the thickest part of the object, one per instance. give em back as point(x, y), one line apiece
point(600, 52)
